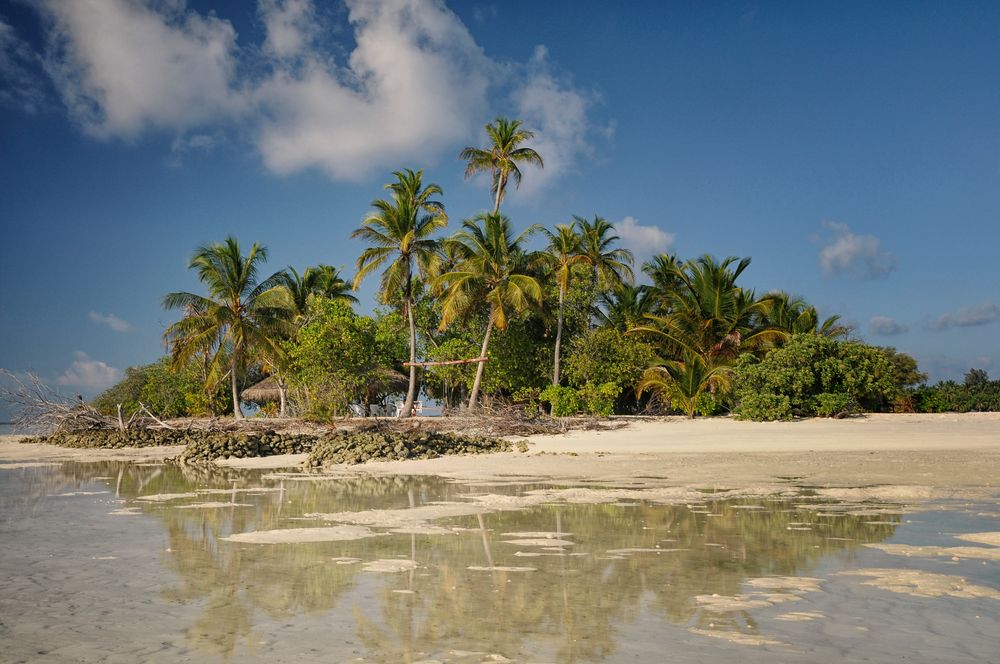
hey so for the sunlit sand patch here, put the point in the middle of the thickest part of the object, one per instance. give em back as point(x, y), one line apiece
point(78, 493)
point(414, 517)
point(539, 554)
point(537, 533)
point(798, 528)
point(164, 497)
point(302, 535)
point(974, 552)
point(539, 541)
point(747, 507)
point(800, 616)
point(499, 568)
point(737, 637)
point(105, 558)
point(126, 511)
point(390, 566)
point(923, 584)
point(426, 529)
point(249, 489)
point(631, 550)
point(804, 584)
point(27, 464)
point(345, 560)
point(102, 477)
point(724, 603)
point(211, 505)
point(993, 539)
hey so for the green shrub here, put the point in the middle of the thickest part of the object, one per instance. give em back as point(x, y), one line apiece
point(810, 365)
point(563, 400)
point(599, 399)
point(833, 404)
point(764, 407)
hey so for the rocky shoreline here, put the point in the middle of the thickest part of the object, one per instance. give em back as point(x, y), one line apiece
point(334, 447)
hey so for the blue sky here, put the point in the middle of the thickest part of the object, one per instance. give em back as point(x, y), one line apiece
point(852, 149)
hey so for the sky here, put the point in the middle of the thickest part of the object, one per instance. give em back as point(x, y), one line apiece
point(851, 148)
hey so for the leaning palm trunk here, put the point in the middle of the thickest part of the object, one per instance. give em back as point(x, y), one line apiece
point(559, 326)
point(283, 394)
point(411, 390)
point(482, 365)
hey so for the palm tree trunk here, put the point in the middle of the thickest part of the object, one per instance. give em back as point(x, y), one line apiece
point(482, 365)
point(283, 392)
point(559, 326)
point(501, 182)
point(237, 412)
point(411, 391)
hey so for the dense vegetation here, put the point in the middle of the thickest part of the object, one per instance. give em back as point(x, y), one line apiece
point(543, 320)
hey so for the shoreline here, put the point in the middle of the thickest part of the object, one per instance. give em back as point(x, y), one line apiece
point(936, 455)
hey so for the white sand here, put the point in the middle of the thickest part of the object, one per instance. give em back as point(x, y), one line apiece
point(918, 456)
point(923, 584)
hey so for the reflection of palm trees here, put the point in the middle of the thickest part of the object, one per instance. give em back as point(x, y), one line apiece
point(570, 608)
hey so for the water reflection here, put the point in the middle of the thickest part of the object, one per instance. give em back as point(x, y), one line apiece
point(618, 560)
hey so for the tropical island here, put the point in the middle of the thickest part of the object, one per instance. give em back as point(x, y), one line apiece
point(524, 332)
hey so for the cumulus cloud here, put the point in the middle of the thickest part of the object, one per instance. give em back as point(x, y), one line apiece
point(558, 114)
point(123, 67)
point(859, 256)
point(404, 83)
point(886, 327)
point(109, 320)
point(89, 374)
point(643, 240)
point(983, 314)
point(412, 86)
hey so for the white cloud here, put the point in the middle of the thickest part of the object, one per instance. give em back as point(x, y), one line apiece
point(854, 255)
point(643, 241)
point(19, 84)
point(89, 374)
point(123, 67)
point(290, 26)
point(984, 314)
point(412, 86)
point(886, 327)
point(403, 85)
point(109, 320)
point(557, 113)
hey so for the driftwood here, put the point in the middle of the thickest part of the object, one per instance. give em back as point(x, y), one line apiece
point(36, 406)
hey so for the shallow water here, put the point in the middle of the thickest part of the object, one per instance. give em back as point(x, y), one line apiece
point(118, 562)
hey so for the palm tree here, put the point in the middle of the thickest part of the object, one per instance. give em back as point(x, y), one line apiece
point(399, 230)
point(502, 156)
point(611, 267)
point(241, 319)
point(563, 252)
point(493, 268)
point(796, 316)
point(322, 280)
point(626, 306)
point(682, 382)
point(662, 270)
point(710, 316)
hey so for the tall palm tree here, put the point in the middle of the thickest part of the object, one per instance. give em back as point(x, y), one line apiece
point(322, 280)
point(562, 253)
point(683, 381)
point(502, 156)
point(494, 268)
point(710, 316)
point(399, 231)
point(241, 319)
point(611, 267)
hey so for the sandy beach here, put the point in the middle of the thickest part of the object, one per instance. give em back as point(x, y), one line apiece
point(939, 451)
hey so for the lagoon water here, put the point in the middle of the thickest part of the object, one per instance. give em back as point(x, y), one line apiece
point(122, 562)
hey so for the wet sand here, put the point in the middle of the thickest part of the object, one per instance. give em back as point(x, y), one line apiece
point(933, 455)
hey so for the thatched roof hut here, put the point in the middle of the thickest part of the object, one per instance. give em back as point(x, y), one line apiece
point(265, 391)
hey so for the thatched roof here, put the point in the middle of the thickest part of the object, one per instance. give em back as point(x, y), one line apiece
point(389, 380)
point(262, 392)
